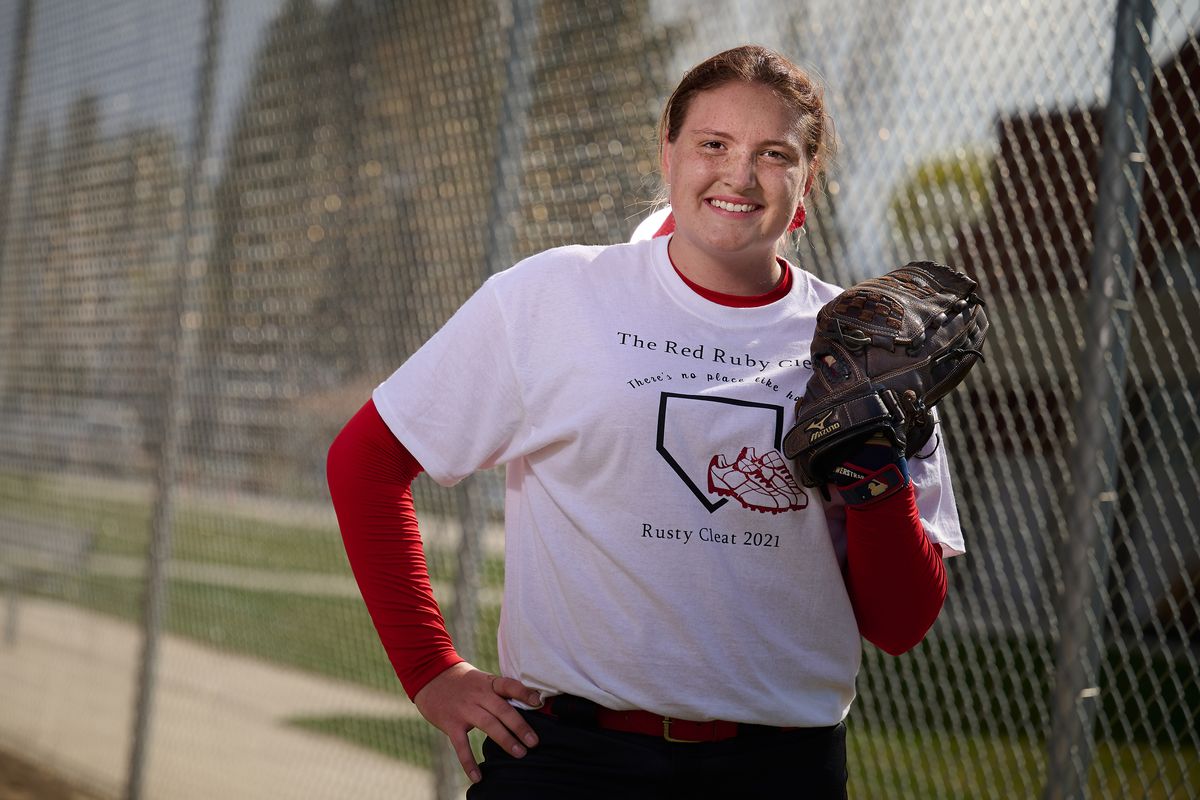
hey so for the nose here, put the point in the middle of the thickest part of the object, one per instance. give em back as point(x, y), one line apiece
point(741, 171)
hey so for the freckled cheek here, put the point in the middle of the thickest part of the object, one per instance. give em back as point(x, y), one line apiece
point(793, 188)
point(692, 178)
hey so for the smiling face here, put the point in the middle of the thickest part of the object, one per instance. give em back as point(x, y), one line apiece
point(736, 171)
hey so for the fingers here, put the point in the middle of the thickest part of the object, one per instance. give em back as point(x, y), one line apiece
point(466, 757)
point(462, 698)
point(513, 688)
point(503, 723)
point(507, 728)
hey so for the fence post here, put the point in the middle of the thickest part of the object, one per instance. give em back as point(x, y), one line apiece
point(519, 22)
point(1110, 303)
point(12, 131)
point(180, 355)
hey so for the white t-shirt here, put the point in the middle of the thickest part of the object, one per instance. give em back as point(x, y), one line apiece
point(659, 554)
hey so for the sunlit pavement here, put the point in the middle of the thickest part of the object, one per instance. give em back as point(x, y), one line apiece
point(219, 721)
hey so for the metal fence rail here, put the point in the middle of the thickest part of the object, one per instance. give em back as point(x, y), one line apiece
point(222, 223)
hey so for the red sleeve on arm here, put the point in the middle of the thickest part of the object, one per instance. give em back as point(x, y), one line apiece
point(895, 575)
point(370, 476)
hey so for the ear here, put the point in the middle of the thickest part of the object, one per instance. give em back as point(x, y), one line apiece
point(664, 159)
point(808, 183)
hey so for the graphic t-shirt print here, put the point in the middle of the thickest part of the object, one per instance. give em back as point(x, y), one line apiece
point(760, 483)
point(753, 473)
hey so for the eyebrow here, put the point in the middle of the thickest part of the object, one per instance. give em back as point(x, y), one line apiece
point(723, 135)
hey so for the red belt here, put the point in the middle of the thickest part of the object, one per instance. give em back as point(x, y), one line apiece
point(577, 709)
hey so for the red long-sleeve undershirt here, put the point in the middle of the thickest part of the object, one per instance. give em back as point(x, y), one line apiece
point(370, 476)
point(894, 574)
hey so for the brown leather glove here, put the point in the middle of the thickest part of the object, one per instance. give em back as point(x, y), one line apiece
point(884, 353)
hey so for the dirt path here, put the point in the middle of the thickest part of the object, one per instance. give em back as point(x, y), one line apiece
point(221, 720)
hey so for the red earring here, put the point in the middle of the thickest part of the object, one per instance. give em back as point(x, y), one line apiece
point(797, 218)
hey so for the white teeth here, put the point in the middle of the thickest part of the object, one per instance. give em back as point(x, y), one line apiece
point(721, 204)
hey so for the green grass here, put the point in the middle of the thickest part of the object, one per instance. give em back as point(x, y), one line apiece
point(326, 635)
point(409, 739)
point(1006, 683)
point(123, 528)
point(204, 536)
point(331, 636)
point(944, 764)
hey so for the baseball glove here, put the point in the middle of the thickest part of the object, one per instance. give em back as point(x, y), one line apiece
point(884, 353)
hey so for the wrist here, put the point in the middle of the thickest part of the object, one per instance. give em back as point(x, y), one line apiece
point(876, 471)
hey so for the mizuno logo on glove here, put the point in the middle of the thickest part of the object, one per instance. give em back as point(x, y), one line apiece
point(820, 424)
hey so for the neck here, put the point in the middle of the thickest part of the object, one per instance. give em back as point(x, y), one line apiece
point(780, 291)
point(743, 277)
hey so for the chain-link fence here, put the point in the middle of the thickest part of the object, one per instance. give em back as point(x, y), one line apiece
point(222, 223)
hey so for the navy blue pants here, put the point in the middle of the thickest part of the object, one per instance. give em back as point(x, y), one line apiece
point(580, 761)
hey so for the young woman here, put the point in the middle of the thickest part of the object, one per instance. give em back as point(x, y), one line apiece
point(680, 617)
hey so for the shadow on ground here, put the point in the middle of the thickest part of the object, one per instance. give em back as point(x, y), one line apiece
point(22, 780)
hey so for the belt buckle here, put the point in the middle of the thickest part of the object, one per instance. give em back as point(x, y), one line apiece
point(667, 733)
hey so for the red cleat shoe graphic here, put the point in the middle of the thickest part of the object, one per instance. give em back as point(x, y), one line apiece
point(762, 484)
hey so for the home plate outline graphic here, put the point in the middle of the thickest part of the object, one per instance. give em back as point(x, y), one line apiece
point(754, 473)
